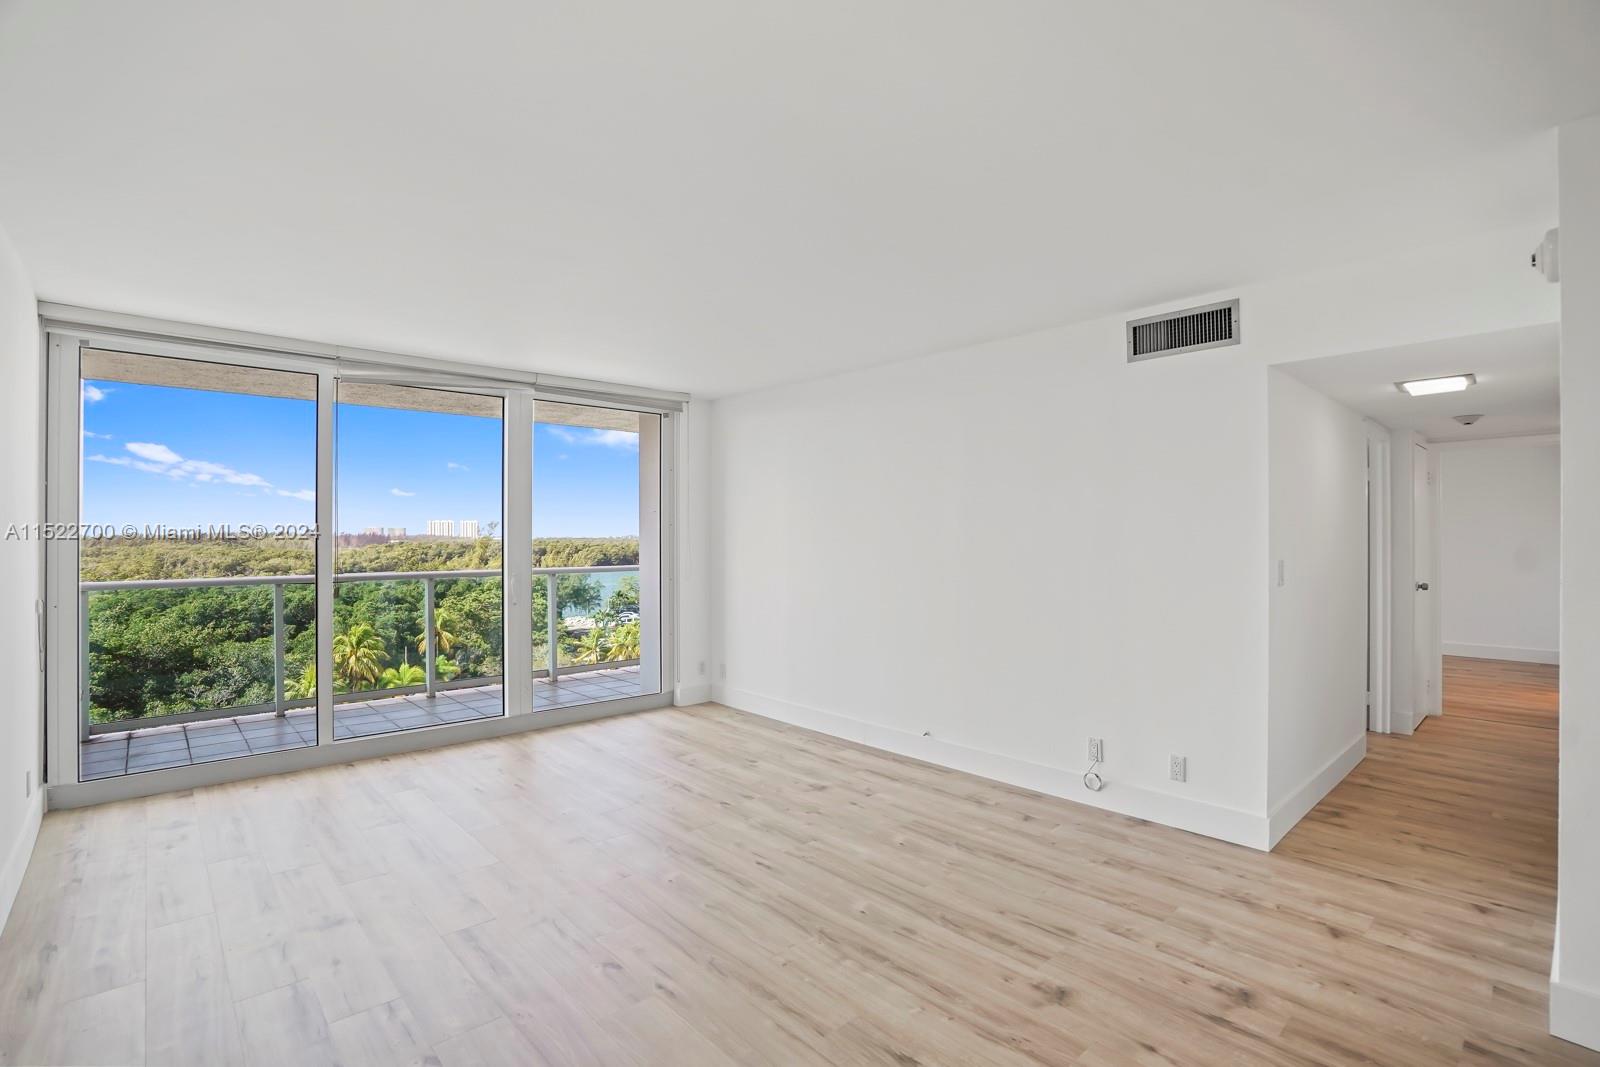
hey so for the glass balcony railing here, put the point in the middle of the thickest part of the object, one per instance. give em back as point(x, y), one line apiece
point(584, 617)
point(426, 632)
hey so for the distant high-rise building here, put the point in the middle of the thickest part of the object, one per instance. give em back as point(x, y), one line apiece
point(469, 527)
point(396, 533)
point(372, 531)
point(441, 527)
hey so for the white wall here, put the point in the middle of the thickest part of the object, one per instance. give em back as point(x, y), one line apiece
point(1012, 548)
point(1575, 979)
point(1500, 548)
point(1018, 545)
point(1317, 523)
point(21, 717)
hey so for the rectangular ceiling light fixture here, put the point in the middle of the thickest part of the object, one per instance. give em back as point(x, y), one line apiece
point(1429, 386)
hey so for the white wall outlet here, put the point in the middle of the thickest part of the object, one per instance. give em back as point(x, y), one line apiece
point(1097, 750)
point(702, 668)
point(1180, 768)
point(27, 783)
point(1281, 578)
point(722, 669)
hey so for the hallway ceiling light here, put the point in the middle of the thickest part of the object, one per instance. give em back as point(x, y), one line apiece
point(1429, 386)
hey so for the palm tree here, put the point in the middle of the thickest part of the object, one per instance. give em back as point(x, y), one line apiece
point(443, 639)
point(358, 655)
point(624, 642)
point(403, 675)
point(305, 686)
point(591, 647)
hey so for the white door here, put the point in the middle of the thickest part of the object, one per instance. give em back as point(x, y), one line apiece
point(1424, 659)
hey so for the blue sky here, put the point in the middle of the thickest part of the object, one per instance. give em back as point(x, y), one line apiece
point(585, 482)
point(188, 457)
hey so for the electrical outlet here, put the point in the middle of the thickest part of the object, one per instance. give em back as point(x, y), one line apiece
point(1180, 769)
point(1097, 750)
point(702, 668)
point(723, 670)
point(27, 783)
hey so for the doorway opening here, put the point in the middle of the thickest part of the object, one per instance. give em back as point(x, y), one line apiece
point(1463, 517)
point(1454, 801)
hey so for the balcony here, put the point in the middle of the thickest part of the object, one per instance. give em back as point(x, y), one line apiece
point(570, 670)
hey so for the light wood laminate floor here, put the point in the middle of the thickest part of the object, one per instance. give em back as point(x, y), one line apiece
point(705, 887)
point(1496, 690)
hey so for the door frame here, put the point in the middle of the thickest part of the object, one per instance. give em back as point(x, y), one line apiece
point(1380, 578)
point(64, 340)
point(516, 522)
point(65, 649)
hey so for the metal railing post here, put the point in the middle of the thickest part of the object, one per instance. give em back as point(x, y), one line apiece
point(83, 665)
point(430, 634)
point(277, 649)
point(552, 625)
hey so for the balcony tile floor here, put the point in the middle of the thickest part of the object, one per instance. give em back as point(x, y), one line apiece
point(113, 754)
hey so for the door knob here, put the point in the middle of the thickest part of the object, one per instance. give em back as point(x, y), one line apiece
point(1423, 586)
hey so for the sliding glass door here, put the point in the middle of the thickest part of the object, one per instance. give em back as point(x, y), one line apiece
point(596, 554)
point(196, 565)
point(262, 556)
point(418, 631)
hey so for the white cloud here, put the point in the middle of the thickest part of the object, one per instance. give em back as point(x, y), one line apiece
point(454, 466)
point(604, 438)
point(616, 439)
point(401, 492)
point(203, 471)
point(152, 452)
point(100, 436)
point(298, 494)
point(159, 459)
point(93, 394)
point(129, 461)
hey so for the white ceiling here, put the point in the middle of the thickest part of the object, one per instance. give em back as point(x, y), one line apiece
point(1518, 390)
point(717, 195)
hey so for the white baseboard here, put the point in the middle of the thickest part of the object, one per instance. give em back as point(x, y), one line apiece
point(1211, 820)
point(20, 853)
point(1516, 655)
point(1294, 807)
point(1575, 1014)
point(692, 694)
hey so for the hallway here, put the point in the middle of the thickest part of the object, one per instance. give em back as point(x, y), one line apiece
point(1459, 820)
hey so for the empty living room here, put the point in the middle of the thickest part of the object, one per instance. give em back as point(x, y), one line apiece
point(881, 533)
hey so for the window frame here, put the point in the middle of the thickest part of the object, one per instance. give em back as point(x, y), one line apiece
point(64, 341)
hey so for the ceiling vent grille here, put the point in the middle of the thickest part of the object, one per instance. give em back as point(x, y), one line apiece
point(1189, 330)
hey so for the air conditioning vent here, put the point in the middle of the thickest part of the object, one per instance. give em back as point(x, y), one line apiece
point(1189, 330)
